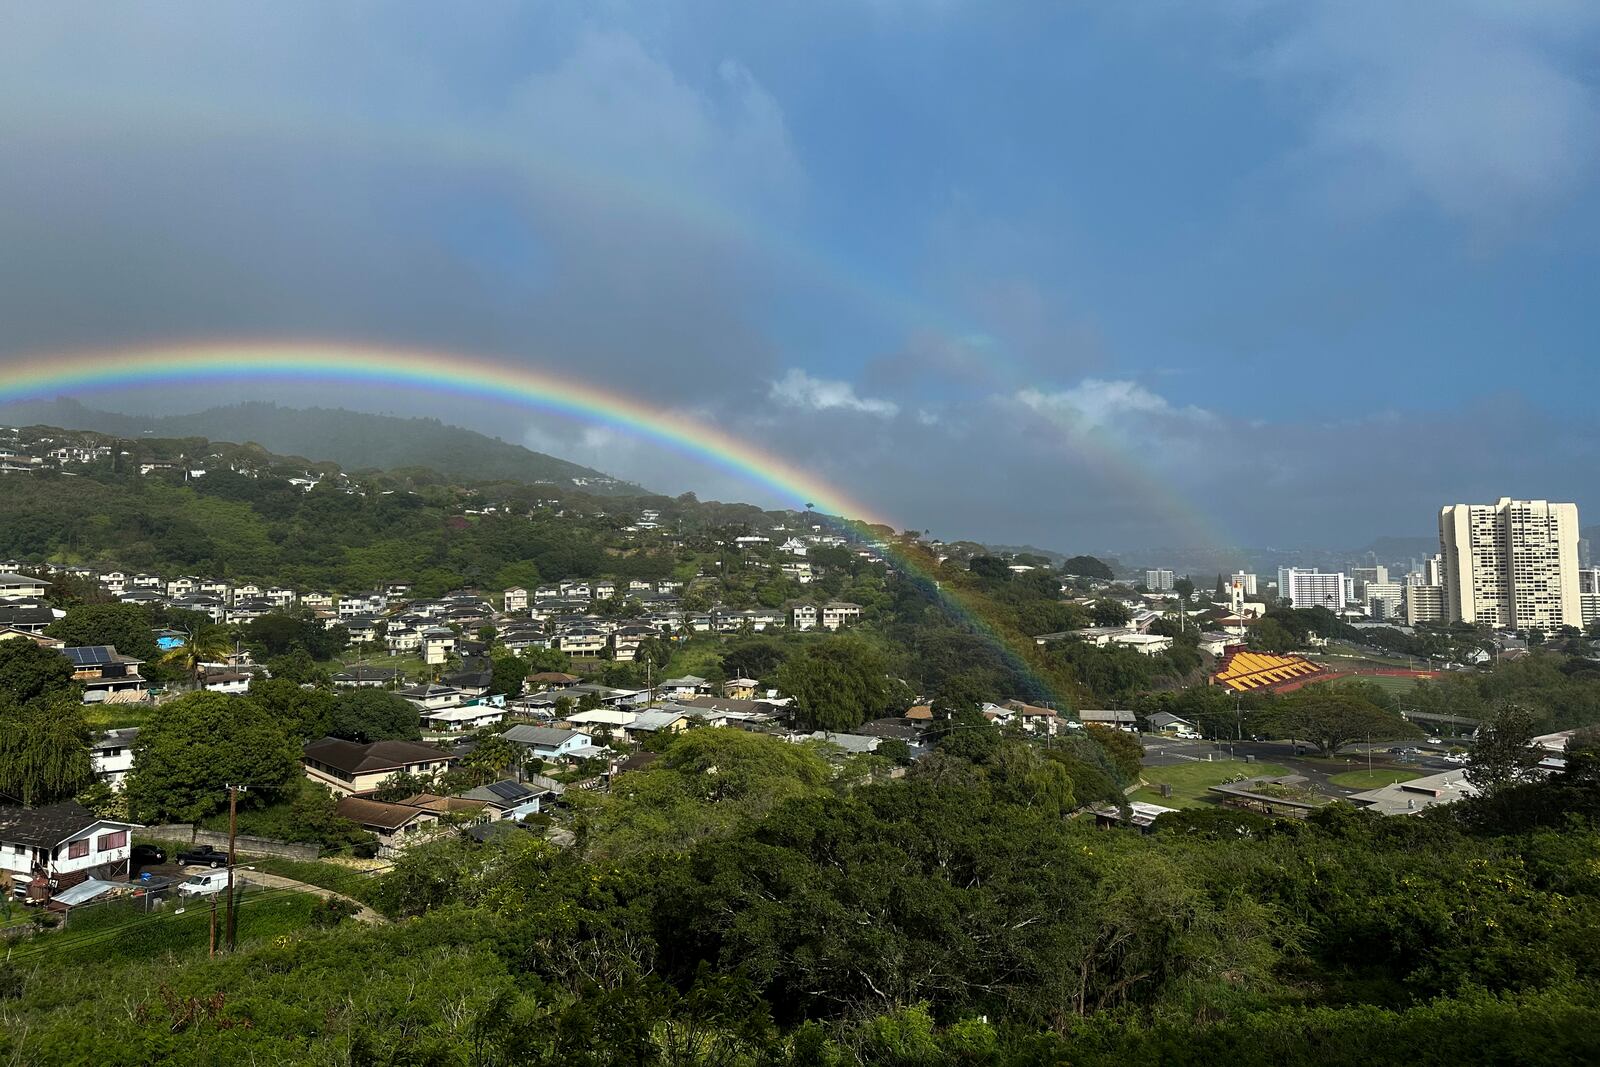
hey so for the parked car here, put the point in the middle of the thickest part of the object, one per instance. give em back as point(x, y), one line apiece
point(203, 885)
point(203, 856)
point(147, 855)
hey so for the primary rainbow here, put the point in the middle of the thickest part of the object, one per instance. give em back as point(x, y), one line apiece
point(37, 376)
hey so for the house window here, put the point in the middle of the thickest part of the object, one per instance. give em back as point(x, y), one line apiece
point(113, 840)
point(76, 850)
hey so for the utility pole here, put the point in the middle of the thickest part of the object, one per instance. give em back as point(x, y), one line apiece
point(233, 833)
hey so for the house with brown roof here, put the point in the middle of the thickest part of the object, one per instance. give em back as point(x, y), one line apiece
point(396, 826)
point(346, 767)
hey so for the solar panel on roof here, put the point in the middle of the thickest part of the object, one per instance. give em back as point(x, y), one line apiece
point(89, 656)
point(507, 790)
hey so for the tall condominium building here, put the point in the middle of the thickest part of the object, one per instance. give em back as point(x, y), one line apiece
point(1424, 603)
point(1512, 564)
point(1246, 581)
point(1159, 580)
point(1384, 600)
point(1313, 589)
point(1589, 594)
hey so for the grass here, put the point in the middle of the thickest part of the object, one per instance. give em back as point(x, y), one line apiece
point(1190, 781)
point(325, 874)
point(1391, 684)
point(1372, 779)
point(116, 716)
point(119, 930)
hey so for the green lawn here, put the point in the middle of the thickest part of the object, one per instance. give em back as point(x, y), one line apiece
point(116, 716)
point(1373, 779)
point(120, 931)
point(1395, 686)
point(1190, 781)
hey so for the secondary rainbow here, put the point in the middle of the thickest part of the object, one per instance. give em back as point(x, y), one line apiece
point(36, 376)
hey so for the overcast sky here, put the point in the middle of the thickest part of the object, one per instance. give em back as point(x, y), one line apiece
point(1082, 275)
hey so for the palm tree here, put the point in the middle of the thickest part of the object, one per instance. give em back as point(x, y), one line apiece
point(196, 650)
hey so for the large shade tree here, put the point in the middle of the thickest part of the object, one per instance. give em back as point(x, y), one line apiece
point(1331, 719)
point(837, 684)
point(199, 744)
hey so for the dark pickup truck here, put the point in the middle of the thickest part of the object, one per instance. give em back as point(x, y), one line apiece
point(203, 856)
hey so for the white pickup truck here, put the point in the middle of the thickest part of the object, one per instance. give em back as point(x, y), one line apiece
point(203, 885)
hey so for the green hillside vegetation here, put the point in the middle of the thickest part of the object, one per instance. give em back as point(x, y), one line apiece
point(354, 440)
point(777, 913)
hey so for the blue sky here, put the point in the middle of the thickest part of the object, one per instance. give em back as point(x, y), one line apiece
point(1086, 275)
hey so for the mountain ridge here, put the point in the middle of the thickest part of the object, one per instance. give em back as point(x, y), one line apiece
point(355, 440)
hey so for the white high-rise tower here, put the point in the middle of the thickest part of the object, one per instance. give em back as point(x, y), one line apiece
point(1511, 564)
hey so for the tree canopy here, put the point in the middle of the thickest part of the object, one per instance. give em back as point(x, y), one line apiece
point(198, 744)
point(837, 684)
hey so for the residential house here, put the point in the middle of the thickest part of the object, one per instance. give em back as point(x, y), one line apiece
point(106, 675)
point(596, 720)
point(585, 642)
point(430, 697)
point(839, 613)
point(279, 596)
point(546, 680)
point(437, 644)
point(854, 744)
point(27, 616)
point(8, 633)
point(510, 799)
point(514, 599)
point(317, 601)
point(654, 721)
point(52, 847)
point(1169, 725)
point(22, 587)
point(803, 617)
point(359, 677)
point(551, 744)
point(741, 688)
point(403, 640)
point(111, 756)
point(465, 717)
point(226, 681)
point(800, 572)
point(346, 767)
point(1034, 719)
point(396, 826)
point(368, 602)
point(689, 685)
point(1118, 720)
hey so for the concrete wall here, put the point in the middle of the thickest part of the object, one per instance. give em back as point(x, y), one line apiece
point(186, 834)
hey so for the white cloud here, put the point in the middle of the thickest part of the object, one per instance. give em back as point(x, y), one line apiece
point(1098, 402)
point(614, 105)
point(797, 389)
point(1480, 108)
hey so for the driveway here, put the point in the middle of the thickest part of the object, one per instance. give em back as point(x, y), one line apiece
point(278, 881)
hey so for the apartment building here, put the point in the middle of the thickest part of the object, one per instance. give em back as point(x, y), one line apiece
point(1512, 564)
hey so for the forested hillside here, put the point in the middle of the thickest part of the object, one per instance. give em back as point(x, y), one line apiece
point(774, 912)
point(354, 440)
